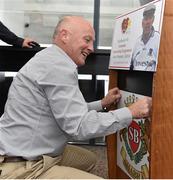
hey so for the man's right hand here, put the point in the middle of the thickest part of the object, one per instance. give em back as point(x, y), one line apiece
point(141, 108)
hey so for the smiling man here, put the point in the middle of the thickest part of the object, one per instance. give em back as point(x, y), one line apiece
point(76, 41)
point(45, 109)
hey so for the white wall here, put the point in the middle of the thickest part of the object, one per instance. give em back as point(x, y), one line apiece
point(12, 15)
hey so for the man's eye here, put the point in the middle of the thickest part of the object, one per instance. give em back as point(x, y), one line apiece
point(87, 40)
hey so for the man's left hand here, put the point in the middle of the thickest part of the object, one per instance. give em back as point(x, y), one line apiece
point(112, 97)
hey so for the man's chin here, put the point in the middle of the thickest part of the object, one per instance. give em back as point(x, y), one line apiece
point(81, 63)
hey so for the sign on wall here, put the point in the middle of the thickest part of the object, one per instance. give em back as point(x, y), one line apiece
point(133, 143)
point(136, 38)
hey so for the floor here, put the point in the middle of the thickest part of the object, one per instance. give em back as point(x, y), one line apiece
point(101, 168)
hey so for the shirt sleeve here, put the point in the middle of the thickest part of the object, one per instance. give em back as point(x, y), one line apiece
point(95, 105)
point(72, 115)
point(9, 37)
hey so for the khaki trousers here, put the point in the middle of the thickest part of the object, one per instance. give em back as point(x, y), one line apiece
point(73, 164)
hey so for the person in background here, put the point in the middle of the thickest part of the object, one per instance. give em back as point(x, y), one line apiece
point(9, 37)
point(45, 109)
point(144, 56)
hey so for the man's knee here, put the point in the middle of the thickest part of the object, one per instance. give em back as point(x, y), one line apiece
point(62, 172)
point(78, 157)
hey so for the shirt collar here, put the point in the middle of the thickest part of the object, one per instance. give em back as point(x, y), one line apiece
point(151, 34)
point(65, 54)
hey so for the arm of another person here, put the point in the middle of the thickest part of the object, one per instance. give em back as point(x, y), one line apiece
point(9, 37)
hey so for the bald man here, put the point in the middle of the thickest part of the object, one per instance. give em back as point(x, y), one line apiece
point(45, 109)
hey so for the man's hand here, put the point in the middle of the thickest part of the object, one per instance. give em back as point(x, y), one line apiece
point(141, 108)
point(112, 97)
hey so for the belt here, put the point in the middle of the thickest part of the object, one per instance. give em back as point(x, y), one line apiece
point(7, 159)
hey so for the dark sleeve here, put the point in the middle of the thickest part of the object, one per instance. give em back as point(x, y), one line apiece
point(9, 37)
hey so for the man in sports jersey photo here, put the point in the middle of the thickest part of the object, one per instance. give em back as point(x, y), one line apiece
point(144, 56)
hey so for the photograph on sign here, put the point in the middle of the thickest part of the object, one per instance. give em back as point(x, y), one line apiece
point(136, 38)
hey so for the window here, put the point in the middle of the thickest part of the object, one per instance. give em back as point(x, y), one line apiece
point(109, 9)
point(38, 18)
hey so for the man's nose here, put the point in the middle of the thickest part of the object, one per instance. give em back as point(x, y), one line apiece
point(91, 47)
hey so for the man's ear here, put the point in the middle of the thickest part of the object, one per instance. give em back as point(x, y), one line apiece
point(64, 35)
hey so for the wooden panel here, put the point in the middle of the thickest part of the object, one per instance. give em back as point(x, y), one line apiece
point(161, 164)
point(111, 154)
point(111, 139)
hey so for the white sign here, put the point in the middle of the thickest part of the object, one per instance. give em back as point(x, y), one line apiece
point(133, 143)
point(136, 38)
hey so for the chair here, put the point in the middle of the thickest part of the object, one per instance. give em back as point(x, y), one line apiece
point(5, 83)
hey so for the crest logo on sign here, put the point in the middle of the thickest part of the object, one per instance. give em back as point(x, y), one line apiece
point(126, 23)
point(134, 136)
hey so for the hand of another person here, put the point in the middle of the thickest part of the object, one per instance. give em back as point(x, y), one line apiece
point(29, 43)
point(141, 108)
point(112, 97)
